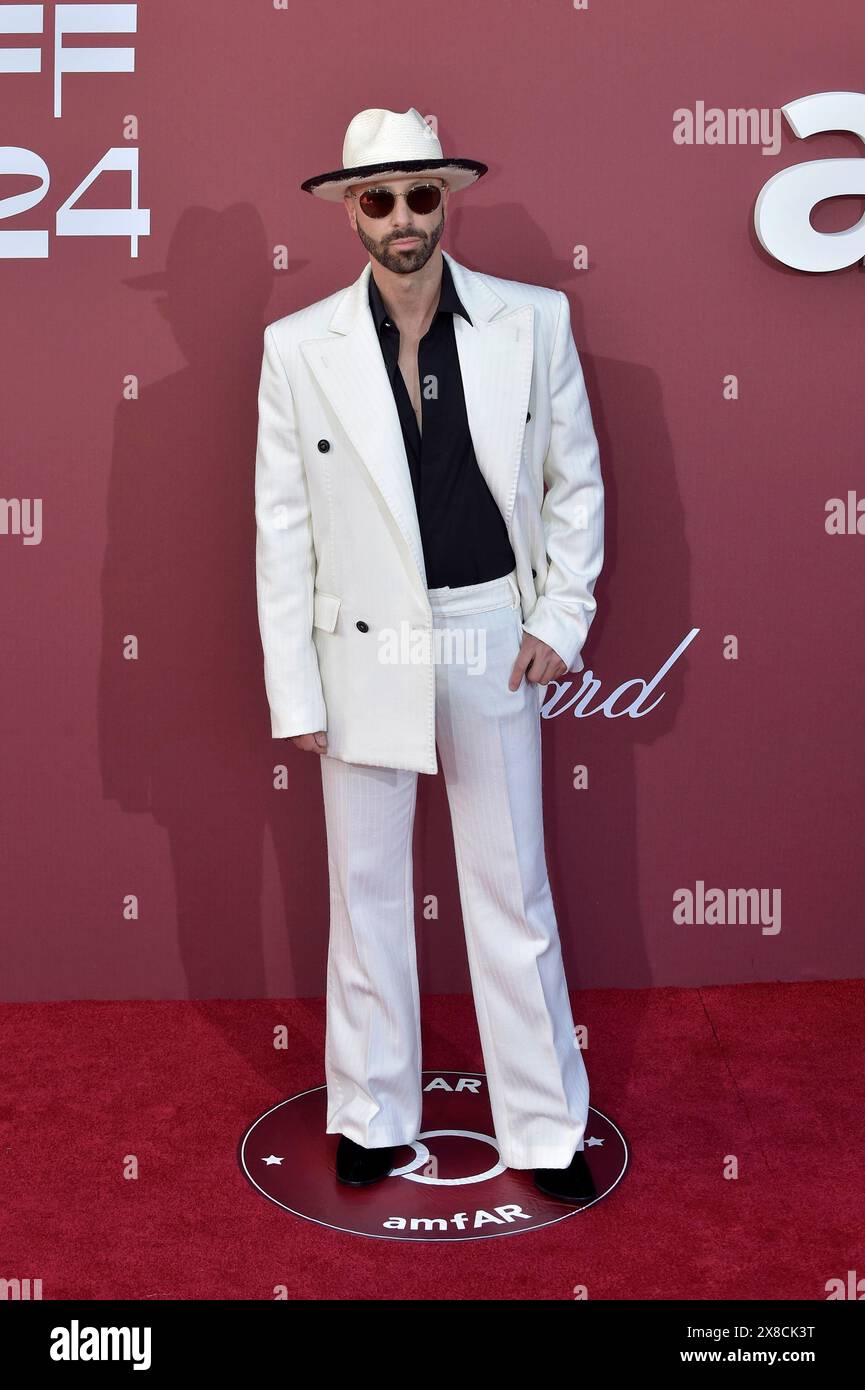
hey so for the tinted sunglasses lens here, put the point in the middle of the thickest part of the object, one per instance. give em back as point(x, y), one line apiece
point(376, 202)
point(424, 199)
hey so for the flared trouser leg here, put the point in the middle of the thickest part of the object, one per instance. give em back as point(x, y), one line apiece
point(372, 1045)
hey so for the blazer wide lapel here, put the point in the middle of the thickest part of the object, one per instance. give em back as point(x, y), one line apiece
point(350, 370)
point(496, 358)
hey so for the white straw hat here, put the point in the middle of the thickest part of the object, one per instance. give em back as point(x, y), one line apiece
point(379, 142)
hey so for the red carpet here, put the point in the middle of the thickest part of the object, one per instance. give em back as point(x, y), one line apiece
point(769, 1073)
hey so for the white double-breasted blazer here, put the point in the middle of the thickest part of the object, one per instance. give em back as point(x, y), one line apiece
point(339, 560)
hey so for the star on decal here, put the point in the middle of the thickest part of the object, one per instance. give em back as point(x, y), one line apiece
point(272, 1159)
point(594, 1141)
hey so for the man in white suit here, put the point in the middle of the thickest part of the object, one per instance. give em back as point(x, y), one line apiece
point(417, 590)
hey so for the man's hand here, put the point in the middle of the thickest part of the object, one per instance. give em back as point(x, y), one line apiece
point(311, 743)
point(539, 662)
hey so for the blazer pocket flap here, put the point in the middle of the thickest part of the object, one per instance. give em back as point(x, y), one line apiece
point(325, 609)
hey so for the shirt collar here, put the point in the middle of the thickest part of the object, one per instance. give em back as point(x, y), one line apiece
point(449, 300)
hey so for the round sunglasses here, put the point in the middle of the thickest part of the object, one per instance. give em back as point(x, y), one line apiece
point(378, 202)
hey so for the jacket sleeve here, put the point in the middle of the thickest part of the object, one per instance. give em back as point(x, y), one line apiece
point(572, 511)
point(285, 560)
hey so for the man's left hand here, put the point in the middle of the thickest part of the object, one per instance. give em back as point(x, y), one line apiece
point(538, 662)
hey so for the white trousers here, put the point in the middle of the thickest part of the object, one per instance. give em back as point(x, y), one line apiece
point(489, 745)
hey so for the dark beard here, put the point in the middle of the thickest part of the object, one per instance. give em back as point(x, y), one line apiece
point(404, 262)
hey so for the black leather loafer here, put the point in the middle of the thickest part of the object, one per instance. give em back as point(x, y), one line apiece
point(572, 1184)
point(359, 1166)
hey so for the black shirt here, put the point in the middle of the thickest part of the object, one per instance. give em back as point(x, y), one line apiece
point(463, 533)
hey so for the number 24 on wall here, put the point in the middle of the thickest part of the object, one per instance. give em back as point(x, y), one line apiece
point(71, 220)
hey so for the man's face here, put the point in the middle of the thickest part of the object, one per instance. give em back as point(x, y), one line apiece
point(382, 235)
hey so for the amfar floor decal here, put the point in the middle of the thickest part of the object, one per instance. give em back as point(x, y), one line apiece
point(450, 1184)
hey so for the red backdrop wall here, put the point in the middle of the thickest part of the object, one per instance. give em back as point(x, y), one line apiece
point(155, 778)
